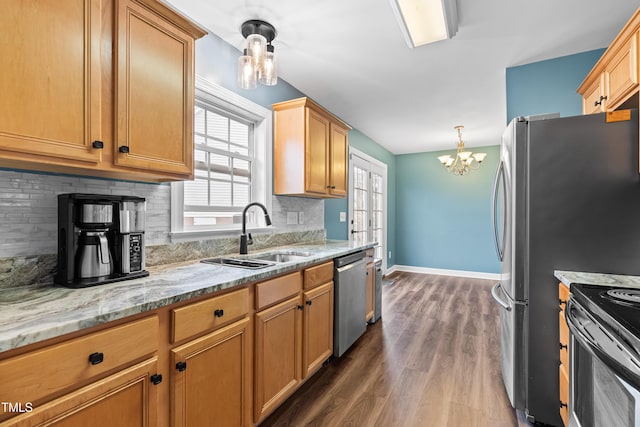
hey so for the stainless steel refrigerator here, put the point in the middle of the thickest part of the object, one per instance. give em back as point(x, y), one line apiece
point(566, 197)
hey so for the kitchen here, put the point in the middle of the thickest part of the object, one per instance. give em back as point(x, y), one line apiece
point(29, 223)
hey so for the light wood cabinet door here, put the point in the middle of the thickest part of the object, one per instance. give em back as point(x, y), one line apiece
point(212, 379)
point(318, 328)
point(278, 335)
point(154, 92)
point(370, 294)
point(339, 163)
point(50, 80)
point(621, 75)
point(317, 153)
point(128, 398)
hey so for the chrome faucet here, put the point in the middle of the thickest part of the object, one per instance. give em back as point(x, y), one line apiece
point(245, 238)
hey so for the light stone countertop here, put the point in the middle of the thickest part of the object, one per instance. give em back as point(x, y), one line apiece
point(598, 279)
point(32, 314)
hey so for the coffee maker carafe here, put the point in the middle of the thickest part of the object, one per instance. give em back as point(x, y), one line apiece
point(93, 256)
point(100, 239)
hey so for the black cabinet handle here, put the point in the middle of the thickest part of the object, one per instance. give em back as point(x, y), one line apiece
point(181, 366)
point(562, 346)
point(123, 149)
point(602, 98)
point(562, 404)
point(96, 358)
point(309, 302)
point(301, 307)
point(156, 379)
point(218, 313)
point(97, 144)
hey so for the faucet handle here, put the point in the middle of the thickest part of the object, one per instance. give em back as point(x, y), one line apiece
point(249, 239)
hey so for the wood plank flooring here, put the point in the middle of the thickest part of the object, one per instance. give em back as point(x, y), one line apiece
point(433, 360)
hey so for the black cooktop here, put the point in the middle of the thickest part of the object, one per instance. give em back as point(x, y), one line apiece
point(618, 308)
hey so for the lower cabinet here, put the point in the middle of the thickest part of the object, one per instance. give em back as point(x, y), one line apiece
point(317, 341)
point(128, 398)
point(278, 333)
point(211, 380)
point(370, 294)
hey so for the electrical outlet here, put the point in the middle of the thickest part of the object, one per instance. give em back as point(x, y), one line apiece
point(343, 217)
point(389, 254)
point(292, 218)
point(301, 217)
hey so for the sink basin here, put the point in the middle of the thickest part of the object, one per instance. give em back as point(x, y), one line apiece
point(252, 264)
point(282, 256)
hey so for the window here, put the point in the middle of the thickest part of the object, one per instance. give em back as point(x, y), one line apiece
point(232, 164)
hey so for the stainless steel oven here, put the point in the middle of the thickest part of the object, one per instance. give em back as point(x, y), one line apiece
point(604, 371)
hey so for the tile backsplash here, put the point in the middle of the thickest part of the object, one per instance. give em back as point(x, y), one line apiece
point(28, 210)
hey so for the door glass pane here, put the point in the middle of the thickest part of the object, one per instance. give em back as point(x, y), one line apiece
point(360, 214)
point(377, 213)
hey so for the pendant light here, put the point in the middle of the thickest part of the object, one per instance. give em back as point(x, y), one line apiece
point(258, 60)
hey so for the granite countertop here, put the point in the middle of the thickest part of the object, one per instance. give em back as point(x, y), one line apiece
point(598, 279)
point(33, 314)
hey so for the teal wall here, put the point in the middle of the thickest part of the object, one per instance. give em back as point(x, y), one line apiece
point(333, 207)
point(549, 86)
point(442, 220)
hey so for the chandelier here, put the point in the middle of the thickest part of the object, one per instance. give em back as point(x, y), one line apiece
point(258, 61)
point(463, 162)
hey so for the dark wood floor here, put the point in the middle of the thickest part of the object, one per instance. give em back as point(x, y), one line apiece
point(433, 360)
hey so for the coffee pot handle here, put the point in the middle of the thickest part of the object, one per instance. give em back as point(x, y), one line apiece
point(104, 250)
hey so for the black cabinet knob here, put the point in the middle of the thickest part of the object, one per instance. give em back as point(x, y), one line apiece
point(181, 366)
point(301, 307)
point(97, 144)
point(218, 313)
point(156, 379)
point(96, 358)
point(123, 149)
point(309, 302)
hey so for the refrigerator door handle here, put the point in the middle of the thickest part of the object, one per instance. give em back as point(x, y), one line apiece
point(494, 212)
point(494, 294)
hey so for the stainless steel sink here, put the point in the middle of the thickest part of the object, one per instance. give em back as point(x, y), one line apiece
point(281, 256)
point(240, 263)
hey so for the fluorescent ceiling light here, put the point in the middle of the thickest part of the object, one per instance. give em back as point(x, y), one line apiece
point(426, 21)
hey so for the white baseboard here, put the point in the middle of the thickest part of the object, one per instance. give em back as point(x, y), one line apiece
point(443, 272)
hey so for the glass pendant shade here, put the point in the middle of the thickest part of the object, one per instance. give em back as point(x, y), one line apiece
point(444, 159)
point(256, 48)
point(246, 72)
point(479, 157)
point(464, 155)
point(268, 73)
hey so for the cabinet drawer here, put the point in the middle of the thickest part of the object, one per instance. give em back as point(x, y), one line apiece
point(278, 289)
point(209, 314)
point(563, 294)
point(318, 275)
point(564, 329)
point(32, 376)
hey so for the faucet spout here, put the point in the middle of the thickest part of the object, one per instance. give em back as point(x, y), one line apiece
point(245, 239)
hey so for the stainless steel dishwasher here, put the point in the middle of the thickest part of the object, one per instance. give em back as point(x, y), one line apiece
point(350, 307)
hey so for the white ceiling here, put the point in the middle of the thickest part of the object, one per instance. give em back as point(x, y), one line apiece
point(350, 56)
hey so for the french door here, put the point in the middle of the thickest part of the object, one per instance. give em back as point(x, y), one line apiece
point(367, 202)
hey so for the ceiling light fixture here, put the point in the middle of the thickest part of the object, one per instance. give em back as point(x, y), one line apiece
point(426, 21)
point(463, 163)
point(258, 61)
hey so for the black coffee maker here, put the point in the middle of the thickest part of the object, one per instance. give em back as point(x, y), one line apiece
point(100, 239)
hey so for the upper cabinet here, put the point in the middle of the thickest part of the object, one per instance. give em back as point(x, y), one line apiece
point(613, 81)
point(310, 150)
point(98, 87)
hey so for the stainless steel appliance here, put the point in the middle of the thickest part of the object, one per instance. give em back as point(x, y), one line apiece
point(566, 197)
point(100, 239)
point(350, 306)
point(604, 356)
point(377, 306)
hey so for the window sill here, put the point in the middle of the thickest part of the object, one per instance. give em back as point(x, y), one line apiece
point(193, 235)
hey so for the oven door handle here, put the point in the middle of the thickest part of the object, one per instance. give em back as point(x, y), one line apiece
point(616, 354)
